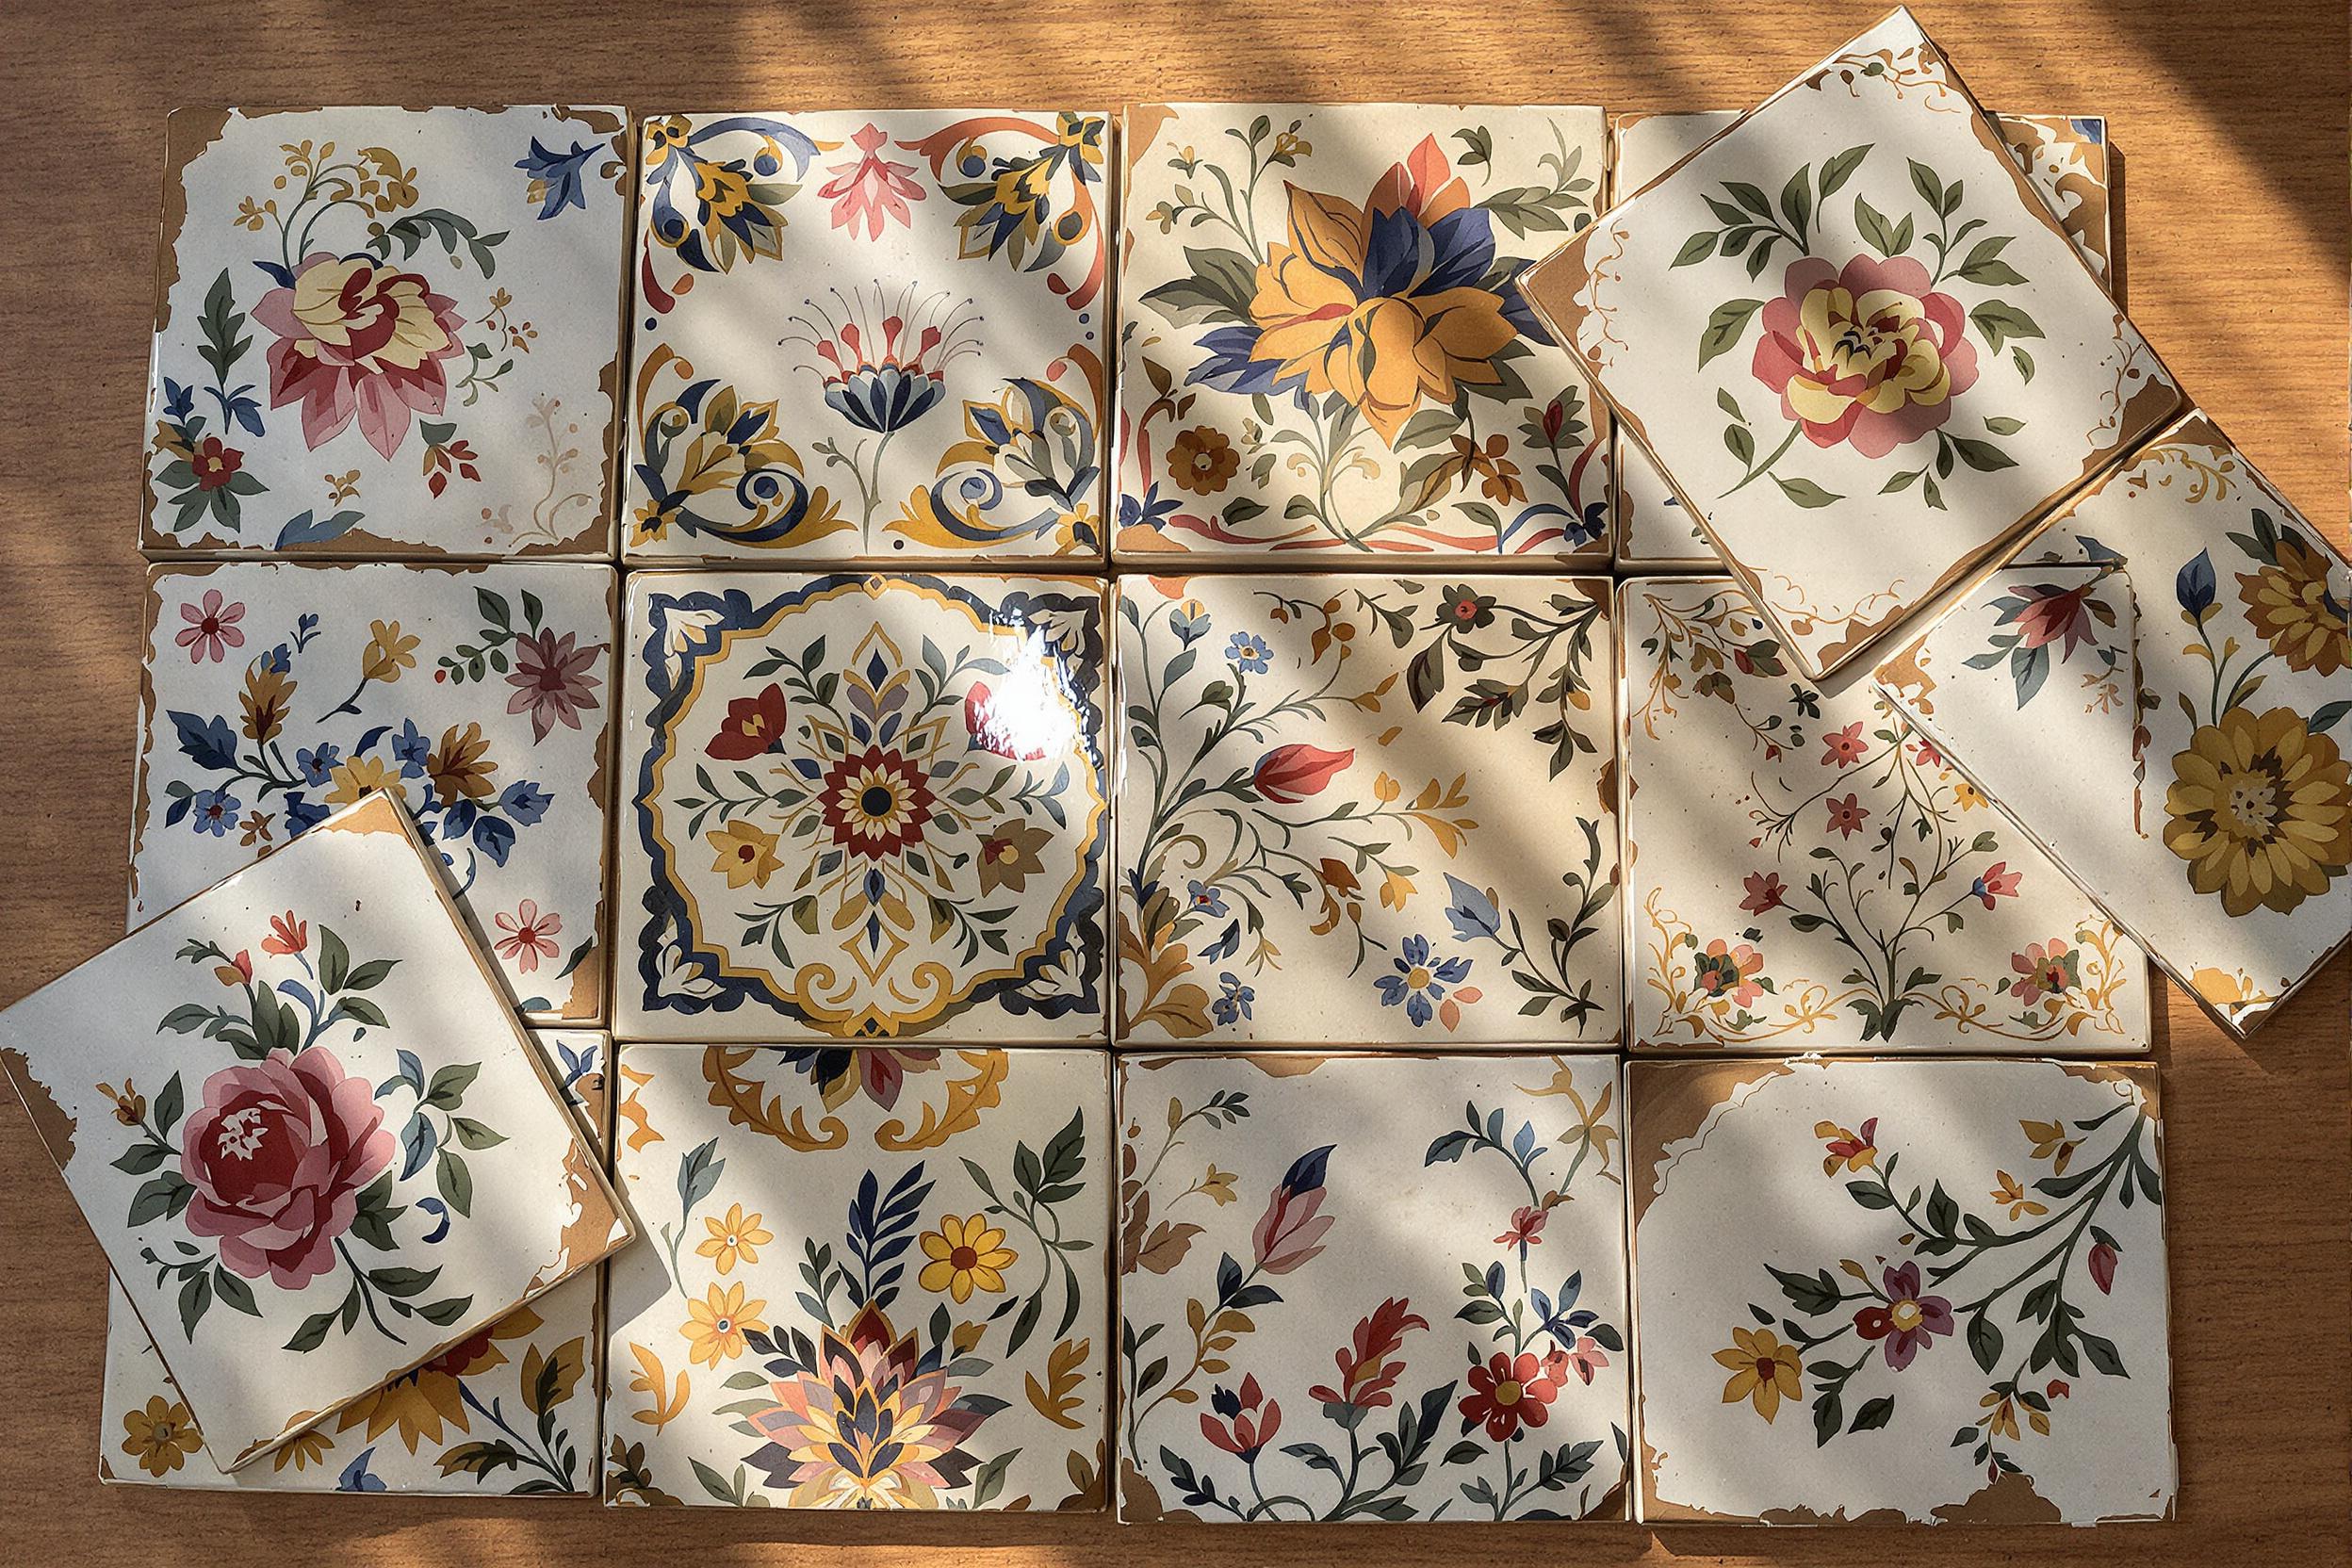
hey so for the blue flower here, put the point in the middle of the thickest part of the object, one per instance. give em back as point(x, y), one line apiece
point(213, 810)
point(1233, 1005)
point(357, 1477)
point(1188, 621)
point(1421, 979)
point(316, 762)
point(555, 177)
point(1249, 653)
point(525, 802)
point(410, 749)
point(301, 815)
point(1206, 898)
point(1145, 510)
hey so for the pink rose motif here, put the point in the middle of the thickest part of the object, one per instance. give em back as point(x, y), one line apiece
point(1872, 354)
point(278, 1153)
point(357, 337)
point(870, 187)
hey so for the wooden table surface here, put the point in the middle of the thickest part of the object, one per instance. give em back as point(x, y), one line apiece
point(2233, 122)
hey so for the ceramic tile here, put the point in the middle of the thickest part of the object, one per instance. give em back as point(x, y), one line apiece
point(1371, 1288)
point(388, 332)
point(1806, 872)
point(512, 1411)
point(2063, 156)
point(1366, 809)
point(480, 697)
point(1321, 352)
point(315, 1148)
point(879, 1280)
point(1872, 1292)
point(864, 807)
point(1850, 469)
point(2225, 851)
point(870, 337)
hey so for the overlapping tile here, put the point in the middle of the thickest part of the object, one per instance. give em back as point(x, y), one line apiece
point(479, 696)
point(1888, 1291)
point(864, 807)
point(388, 332)
point(1368, 1288)
point(876, 1279)
point(1321, 350)
point(1366, 809)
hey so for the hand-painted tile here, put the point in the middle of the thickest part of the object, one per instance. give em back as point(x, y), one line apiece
point(315, 1148)
point(1307, 1333)
point(1805, 872)
point(870, 337)
point(1321, 348)
point(2064, 157)
point(1331, 791)
point(879, 1279)
point(1849, 465)
point(2226, 854)
point(864, 807)
point(1872, 1292)
point(478, 697)
point(512, 1411)
point(389, 331)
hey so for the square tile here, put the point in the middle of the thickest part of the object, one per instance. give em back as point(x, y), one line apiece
point(1861, 345)
point(2063, 156)
point(479, 696)
point(879, 1279)
point(512, 1411)
point(1371, 1288)
point(864, 808)
point(2227, 851)
point(1879, 1292)
point(1806, 872)
point(1321, 350)
point(1366, 809)
point(388, 332)
point(302, 1124)
point(870, 337)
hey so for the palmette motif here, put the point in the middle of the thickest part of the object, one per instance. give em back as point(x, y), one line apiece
point(1501, 1234)
point(1311, 362)
point(876, 1279)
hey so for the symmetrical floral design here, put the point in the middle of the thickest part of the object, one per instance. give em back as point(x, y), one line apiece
point(866, 807)
point(2229, 856)
point(1995, 1261)
point(1909, 359)
point(1807, 867)
point(478, 698)
point(1235, 1408)
point(937, 388)
point(867, 1323)
point(509, 1409)
point(1313, 364)
point(1329, 785)
point(349, 358)
point(315, 1152)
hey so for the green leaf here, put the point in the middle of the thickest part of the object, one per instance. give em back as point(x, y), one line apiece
point(359, 1008)
point(334, 959)
point(1725, 327)
point(1874, 1414)
point(1749, 197)
point(1982, 455)
point(313, 1333)
point(369, 975)
point(1696, 248)
point(1804, 492)
point(2003, 425)
point(1983, 266)
point(1929, 185)
point(233, 1292)
point(1837, 171)
point(448, 1089)
point(1739, 443)
point(1880, 236)
point(1999, 322)
point(1829, 1413)
point(1796, 202)
point(473, 1134)
point(443, 1313)
point(401, 1280)
point(169, 1101)
point(455, 1182)
point(1983, 1342)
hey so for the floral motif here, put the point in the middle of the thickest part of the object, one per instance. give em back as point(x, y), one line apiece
point(2261, 808)
point(1869, 355)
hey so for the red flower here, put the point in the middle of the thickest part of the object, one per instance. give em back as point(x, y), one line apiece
point(2051, 613)
point(876, 802)
point(1998, 881)
point(1526, 1227)
point(869, 188)
point(1765, 892)
point(1245, 1430)
point(1291, 1230)
point(1586, 1357)
point(1907, 1321)
point(211, 630)
point(1848, 815)
point(278, 1151)
point(552, 679)
point(752, 725)
point(1368, 1368)
point(530, 935)
point(1015, 735)
point(1926, 755)
point(1871, 354)
point(356, 337)
point(287, 936)
point(215, 463)
point(1290, 773)
point(1845, 746)
point(2103, 1258)
point(1508, 1392)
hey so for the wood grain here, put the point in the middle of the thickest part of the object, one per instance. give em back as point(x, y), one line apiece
point(2232, 123)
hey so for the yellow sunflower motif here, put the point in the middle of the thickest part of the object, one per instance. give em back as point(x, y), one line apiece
point(362, 777)
point(161, 1436)
point(301, 1450)
point(1763, 1371)
point(964, 1253)
point(715, 1326)
point(2289, 604)
point(2262, 811)
point(735, 1239)
point(424, 1403)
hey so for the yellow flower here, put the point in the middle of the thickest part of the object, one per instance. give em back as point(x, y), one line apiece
point(461, 765)
point(739, 1237)
point(964, 1253)
point(267, 696)
point(715, 1326)
point(389, 652)
point(1967, 794)
point(1763, 1370)
point(2007, 1190)
point(161, 1436)
point(301, 1450)
point(364, 775)
point(2050, 1139)
point(2262, 811)
point(744, 853)
point(2000, 1419)
point(2289, 604)
point(423, 1403)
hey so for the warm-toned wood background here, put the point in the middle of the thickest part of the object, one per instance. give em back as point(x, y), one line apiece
point(2232, 121)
